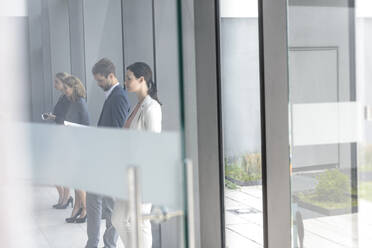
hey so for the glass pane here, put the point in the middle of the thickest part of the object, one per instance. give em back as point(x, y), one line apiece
point(330, 122)
point(95, 90)
point(240, 92)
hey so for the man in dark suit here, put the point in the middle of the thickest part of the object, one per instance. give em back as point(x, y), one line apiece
point(114, 113)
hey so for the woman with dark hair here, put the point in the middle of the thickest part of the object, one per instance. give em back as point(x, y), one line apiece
point(58, 115)
point(146, 116)
point(77, 113)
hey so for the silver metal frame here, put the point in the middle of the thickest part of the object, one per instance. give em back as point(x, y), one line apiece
point(190, 103)
point(135, 206)
point(190, 204)
point(160, 214)
point(275, 78)
point(274, 73)
point(208, 140)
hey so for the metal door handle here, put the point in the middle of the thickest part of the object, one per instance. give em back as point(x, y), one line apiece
point(160, 214)
point(135, 206)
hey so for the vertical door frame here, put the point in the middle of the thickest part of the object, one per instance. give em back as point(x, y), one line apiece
point(275, 122)
point(208, 140)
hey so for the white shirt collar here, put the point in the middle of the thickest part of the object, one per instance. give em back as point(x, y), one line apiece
point(107, 93)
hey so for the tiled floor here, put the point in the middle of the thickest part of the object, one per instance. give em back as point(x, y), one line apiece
point(244, 223)
point(244, 226)
point(49, 227)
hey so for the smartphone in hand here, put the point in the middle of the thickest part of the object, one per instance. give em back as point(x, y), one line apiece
point(47, 116)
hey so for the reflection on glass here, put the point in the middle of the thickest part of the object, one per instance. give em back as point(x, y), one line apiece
point(241, 123)
point(147, 116)
point(79, 53)
point(330, 123)
point(114, 113)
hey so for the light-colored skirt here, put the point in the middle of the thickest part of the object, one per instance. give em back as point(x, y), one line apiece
point(121, 221)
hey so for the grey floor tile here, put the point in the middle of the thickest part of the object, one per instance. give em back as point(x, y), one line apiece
point(29, 238)
point(64, 236)
point(232, 218)
point(235, 240)
point(250, 231)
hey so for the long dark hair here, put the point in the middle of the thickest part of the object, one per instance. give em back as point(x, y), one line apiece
point(141, 69)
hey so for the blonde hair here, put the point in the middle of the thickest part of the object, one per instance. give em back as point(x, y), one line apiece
point(61, 76)
point(77, 87)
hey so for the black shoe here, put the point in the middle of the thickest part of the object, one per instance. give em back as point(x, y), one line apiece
point(64, 206)
point(73, 218)
point(81, 219)
point(56, 205)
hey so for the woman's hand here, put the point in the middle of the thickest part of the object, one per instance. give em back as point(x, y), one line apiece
point(48, 116)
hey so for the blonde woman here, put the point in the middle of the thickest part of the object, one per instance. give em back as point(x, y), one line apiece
point(147, 116)
point(77, 113)
point(58, 115)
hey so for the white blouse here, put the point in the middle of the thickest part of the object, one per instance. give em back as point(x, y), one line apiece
point(148, 116)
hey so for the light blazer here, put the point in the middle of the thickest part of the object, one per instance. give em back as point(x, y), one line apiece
point(148, 116)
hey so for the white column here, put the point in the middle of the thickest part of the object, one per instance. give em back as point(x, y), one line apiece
point(15, 204)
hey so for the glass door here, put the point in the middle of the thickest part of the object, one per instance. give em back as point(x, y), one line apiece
point(92, 122)
point(329, 113)
point(241, 123)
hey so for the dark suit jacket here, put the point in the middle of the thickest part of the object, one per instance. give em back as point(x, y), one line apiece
point(115, 109)
point(78, 112)
point(61, 109)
